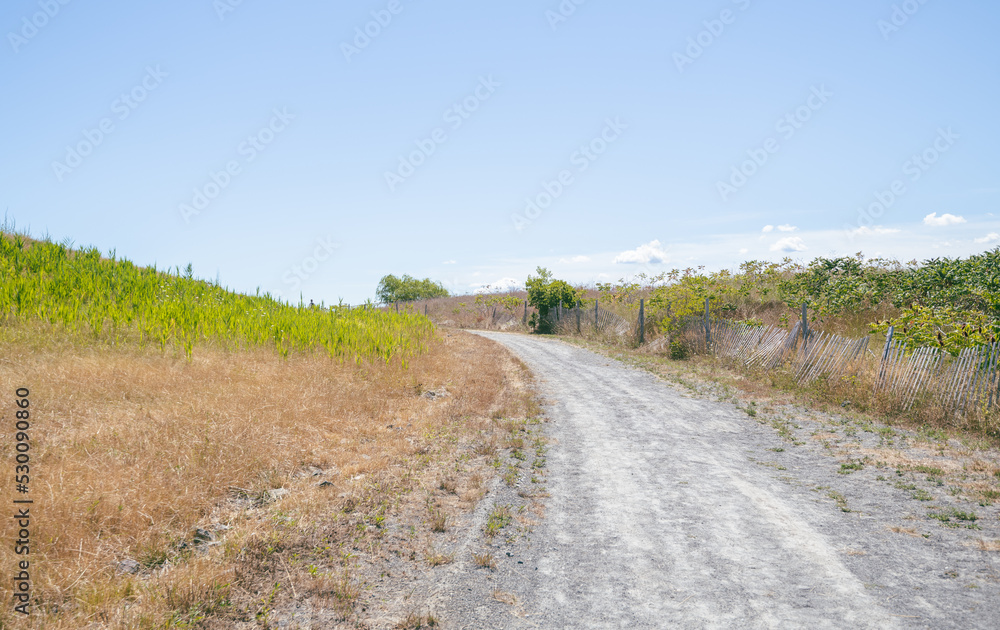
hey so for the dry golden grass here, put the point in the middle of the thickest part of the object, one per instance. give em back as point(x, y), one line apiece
point(439, 521)
point(909, 531)
point(484, 560)
point(899, 460)
point(504, 597)
point(436, 559)
point(415, 621)
point(132, 450)
point(819, 437)
point(462, 311)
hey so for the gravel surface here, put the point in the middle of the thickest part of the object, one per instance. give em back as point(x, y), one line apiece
point(668, 510)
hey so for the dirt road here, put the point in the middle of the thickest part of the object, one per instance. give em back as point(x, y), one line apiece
point(671, 511)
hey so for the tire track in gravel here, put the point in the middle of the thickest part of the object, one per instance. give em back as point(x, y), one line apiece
point(660, 516)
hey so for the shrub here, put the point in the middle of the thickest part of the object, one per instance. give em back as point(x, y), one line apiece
point(407, 289)
point(546, 294)
point(945, 327)
point(679, 350)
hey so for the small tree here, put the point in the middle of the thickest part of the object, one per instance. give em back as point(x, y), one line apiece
point(546, 294)
point(407, 289)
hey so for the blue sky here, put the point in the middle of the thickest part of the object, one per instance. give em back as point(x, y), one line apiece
point(314, 147)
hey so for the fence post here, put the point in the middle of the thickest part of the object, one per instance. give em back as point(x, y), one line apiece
point(397, 306)
point(559, 311)
point(578, 317)
point(805, 326)
point(425, 310)
point(885, 356)
point(524, 320)
point(708, 327)
point(596, 301)
point(642, 321)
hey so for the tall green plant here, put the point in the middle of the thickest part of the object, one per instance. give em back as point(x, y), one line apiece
point(547, 294)
point(116, 301)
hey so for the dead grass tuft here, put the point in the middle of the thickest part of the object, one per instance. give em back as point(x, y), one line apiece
point(488, 446)
point(484, 560)
point(504, 597)
point(439, 520)
point(436, 559)
point(909, 531)
point(416, 621)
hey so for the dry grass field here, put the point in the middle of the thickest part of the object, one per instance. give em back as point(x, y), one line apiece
point(176, 492)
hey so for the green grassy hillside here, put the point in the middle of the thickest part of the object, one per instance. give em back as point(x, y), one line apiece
point(116, 301)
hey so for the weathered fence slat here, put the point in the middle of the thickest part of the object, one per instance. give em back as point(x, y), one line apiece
point(972, 378)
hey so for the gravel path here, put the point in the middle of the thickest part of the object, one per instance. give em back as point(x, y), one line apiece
point(671, 511)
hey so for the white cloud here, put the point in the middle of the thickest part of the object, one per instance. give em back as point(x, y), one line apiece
point(789, 244)
point(500, 286)
point(744, 250)
point(943, 220)
point(787, 228)
point(651, 252)
point(877, 230)
point(768, 228)
point(989, 238)
point(450, 262)
point(575, 259)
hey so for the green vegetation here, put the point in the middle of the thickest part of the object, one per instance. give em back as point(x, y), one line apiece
point(499, 518)
point(846, 469)
point(922, 495)
point(407, 289)
point(509, 303)
point(946, 517)
point(842, 284)
point(547, 294)
point(949, 328)
point(839, 499)
point(115, 301)
point(953, 303)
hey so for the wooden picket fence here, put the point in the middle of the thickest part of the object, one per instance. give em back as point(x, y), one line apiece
point(973, 376)
point(970, 379)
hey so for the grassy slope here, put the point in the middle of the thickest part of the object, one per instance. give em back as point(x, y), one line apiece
point(113, 300)
point(134, 447)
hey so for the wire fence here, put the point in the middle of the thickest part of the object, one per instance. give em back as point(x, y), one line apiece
point(584, 319)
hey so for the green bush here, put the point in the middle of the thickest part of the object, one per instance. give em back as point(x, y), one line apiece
point(679, 350)
point(407, 289)
point(950, 329)
point(546, 294)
